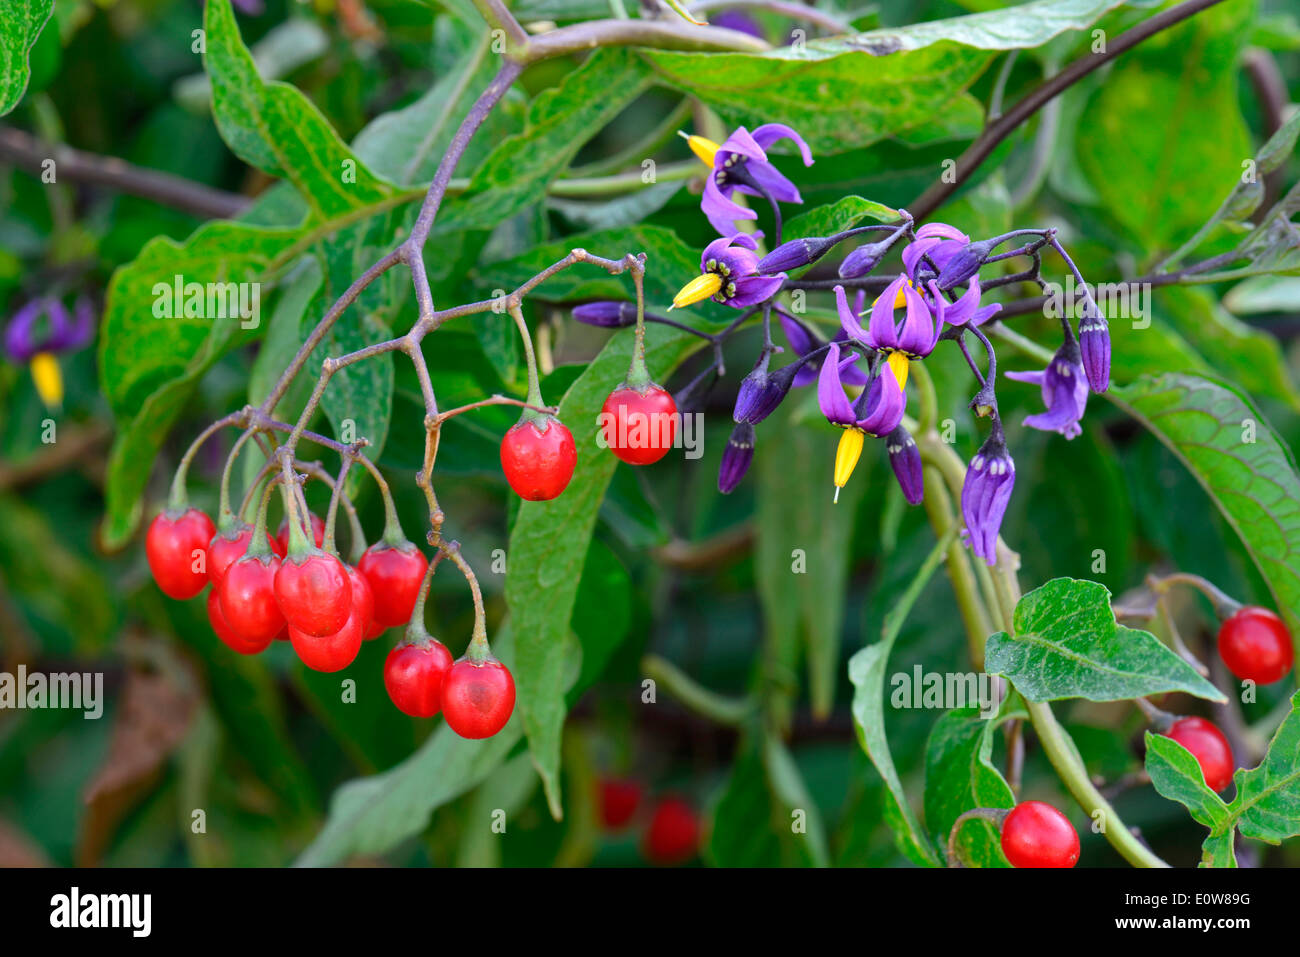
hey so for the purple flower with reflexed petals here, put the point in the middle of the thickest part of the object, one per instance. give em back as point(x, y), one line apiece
point(915, 336)
point(939, 240)
point(804, 342)
point(46, 326)
point(729, 274)
point(985, 494)
point(741, 165)
point(736, 457)
point(905, 460)
point(1065, 391)
point(879, 408)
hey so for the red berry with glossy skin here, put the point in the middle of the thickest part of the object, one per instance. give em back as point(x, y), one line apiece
point(414, 674)
point(335, 652)
point(639, 427)
point(314, 593)
point(1209, 747)
point(619, 798)
point(673, 836)
point(1035, 834)
point(1256, 646)
point(228, 636)
point(537, 464)
point(395, 575)
point(282, 534)
point(247, 597)
point(224, 549)
point(172, 545)
point(478, 697)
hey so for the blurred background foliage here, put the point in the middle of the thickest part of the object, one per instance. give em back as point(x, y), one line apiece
point(1127, 164)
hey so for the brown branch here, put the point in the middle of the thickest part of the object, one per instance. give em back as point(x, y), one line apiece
point(27, 152)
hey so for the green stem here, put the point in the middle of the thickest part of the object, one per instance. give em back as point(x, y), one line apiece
point(227, 521)
point(178, 499)
point(929, 399)
point(479, 650)
point(720, 708)
point(530, 360)
point(332, 513)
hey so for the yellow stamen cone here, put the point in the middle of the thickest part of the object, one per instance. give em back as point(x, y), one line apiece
point(48, 379)
point(698, 289)
point(899, 362)
point(846, 457)
point(703, 147)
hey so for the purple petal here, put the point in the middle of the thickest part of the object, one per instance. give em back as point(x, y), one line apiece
point(848, 320)
point(722, 212)
point(913, 252)
point(885, 404)
point(830, 393)
point(742, 144)
point(882, 333)
point(774, 181)
point(769, 133)
point(751, 290)
point(918, 334)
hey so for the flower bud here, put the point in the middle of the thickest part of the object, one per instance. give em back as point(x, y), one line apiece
point(795, 254)
point(863, 259)
point(905, 460)
point(762, 391)
point(964, 264)
point(1094, 344)
point(736, 457)
point(609, 315)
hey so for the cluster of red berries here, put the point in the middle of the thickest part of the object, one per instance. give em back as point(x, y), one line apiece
point(538, 455)
point(672, 832)
point(326, 608)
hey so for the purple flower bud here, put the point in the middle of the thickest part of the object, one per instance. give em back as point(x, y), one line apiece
point(795, 254)
point(905, 459)
point(609, 315)
point(1094, 343)
point(964, 263)
point(762, 391)
point(863, 259)
point(736, 457)
point(985, 494)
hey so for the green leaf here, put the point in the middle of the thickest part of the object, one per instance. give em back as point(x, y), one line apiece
point(959, 776)
point(371, 815)
point(1180, 75)
point(549, 541)
point(274, 127)
point(1239, 460)
point(867, 672)
point(1267, 805)
point(792, 797)
point(851, 91)
point(804, 552)
point(1068, 645)
point(21, 22)
point(559, 122)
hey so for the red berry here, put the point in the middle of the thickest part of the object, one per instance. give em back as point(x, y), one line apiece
point(1209, 747)
point(217, 618)
point(314, 594)
point(414, 674)
point(619, 799)
point(247, 597)
point(538, 464)
point(317, 532)
point(1256, 646)
point(673, 836)
point(639, 427)
point(336, 651)
point(1035, 834)
point(478, 697)
point(395, 576)
point(224, 549)
point(175, 545)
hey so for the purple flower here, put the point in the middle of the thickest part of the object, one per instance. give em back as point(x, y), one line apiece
point(740, 164)
point(915, 336)
point(46, 326)
point(804, 342)
point(736, 457)
point(1065, 392)
point(877, 411)
point(939, 240)
point(1094, 343)
point(905, 460)
point(985, 494)
point(730, 274)
point(611, 315)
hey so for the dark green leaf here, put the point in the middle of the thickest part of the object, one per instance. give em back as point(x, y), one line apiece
point(21, 22)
